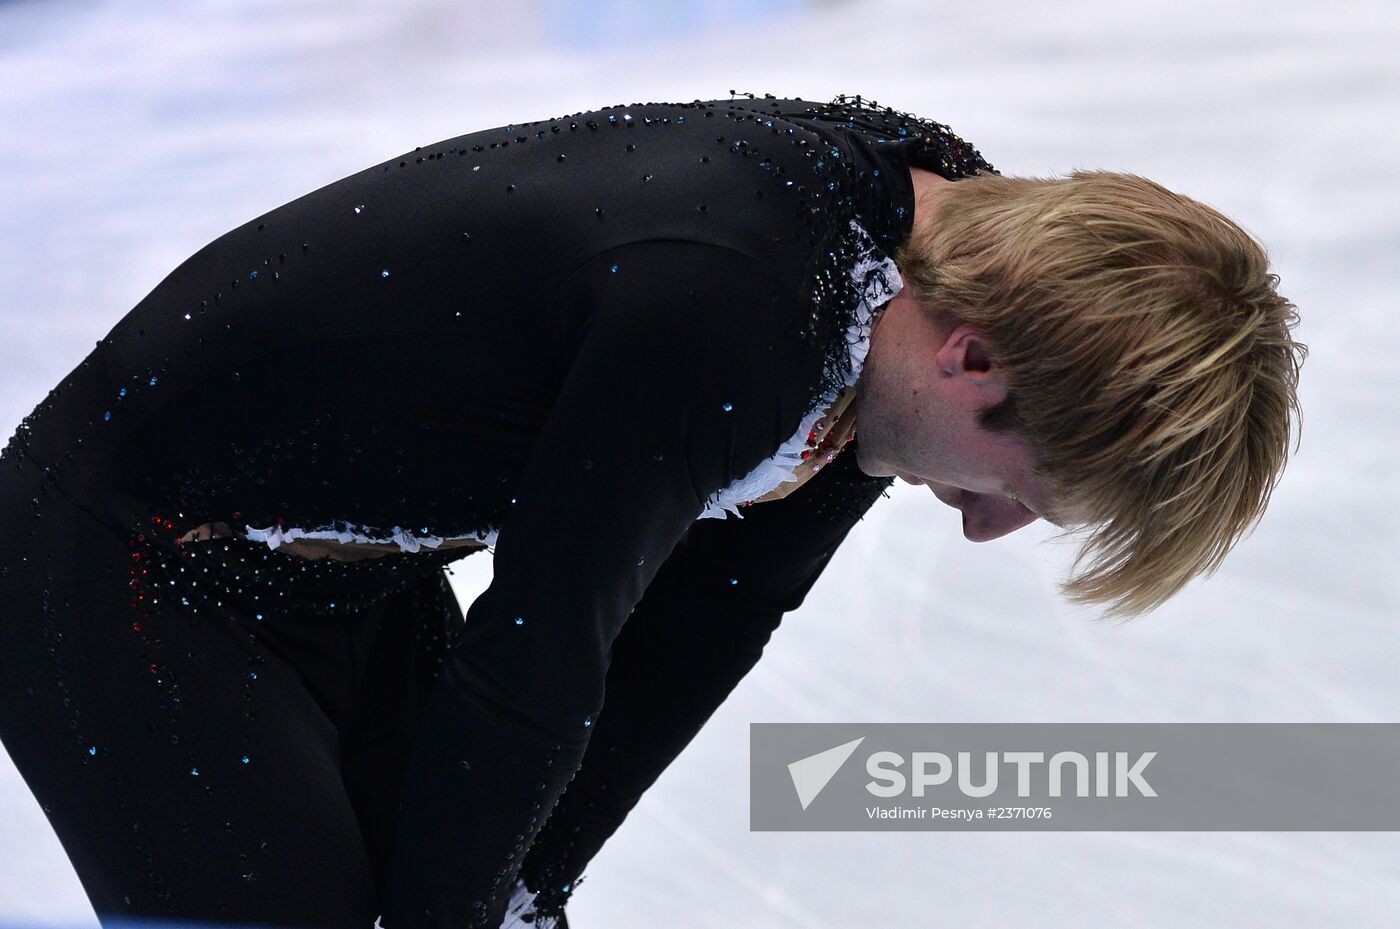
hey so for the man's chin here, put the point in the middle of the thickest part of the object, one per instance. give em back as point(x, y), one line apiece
point(955, 497)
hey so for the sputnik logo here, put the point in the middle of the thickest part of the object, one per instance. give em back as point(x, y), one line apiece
point(810, 775)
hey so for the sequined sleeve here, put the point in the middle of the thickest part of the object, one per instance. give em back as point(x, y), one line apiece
point(702, 625)
point(685, 376)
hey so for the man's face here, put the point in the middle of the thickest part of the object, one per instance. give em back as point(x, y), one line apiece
point(917, 401)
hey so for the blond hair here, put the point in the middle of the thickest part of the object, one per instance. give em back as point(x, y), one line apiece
point(1150, 361)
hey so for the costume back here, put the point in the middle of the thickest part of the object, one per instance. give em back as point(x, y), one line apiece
point(568, 339)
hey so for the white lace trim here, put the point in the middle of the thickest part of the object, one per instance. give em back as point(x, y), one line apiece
point(407, 541)
point(782, 467)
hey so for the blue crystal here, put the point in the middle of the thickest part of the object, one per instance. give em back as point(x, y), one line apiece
point(92, 749)
point(153, 382)
point(107, 416)
point(727, 407)
point(384, 273)
point(122, 392)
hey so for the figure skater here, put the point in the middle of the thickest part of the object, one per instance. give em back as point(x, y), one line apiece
point(628, 351)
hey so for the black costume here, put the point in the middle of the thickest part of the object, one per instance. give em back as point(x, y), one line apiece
point(569, 338)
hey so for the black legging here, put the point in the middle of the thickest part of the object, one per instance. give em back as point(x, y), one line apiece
point(238, 760)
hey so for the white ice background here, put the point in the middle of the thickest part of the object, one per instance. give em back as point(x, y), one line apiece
point(132, 132)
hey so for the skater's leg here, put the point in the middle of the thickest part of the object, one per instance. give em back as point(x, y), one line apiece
point(403, 654)
point(184, 764)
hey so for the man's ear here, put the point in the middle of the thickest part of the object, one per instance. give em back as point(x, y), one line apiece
point(965, 353)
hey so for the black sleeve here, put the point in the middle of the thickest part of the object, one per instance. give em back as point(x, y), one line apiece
point(701, 626)
point(685, 377)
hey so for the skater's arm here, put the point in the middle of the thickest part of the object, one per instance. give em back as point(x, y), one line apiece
point(673, 392)
point(692, 638)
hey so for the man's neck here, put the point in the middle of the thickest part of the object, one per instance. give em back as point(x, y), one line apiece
point(928, 187)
